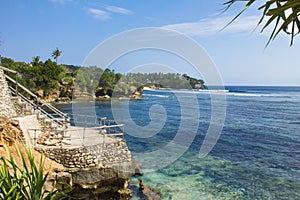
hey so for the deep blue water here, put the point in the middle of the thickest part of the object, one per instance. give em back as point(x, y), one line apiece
point(256, 157)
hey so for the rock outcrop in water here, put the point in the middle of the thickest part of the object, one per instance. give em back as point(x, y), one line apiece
point(147, 193)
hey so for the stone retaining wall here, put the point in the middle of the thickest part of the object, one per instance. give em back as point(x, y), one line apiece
point(106, 154)
point(6, 106)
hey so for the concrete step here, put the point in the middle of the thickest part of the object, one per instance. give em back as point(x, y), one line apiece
point(35, 111)
point(60, 129)
point(54, 125)
point(14, 98)
point(29, 109)
point(41, 116)
point(22, 103)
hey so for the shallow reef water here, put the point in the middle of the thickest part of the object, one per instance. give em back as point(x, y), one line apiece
point(256, 157)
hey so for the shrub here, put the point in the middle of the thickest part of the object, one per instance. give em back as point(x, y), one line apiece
point(26, 181)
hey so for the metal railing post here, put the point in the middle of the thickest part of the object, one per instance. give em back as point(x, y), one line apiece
point(34, 137)
point(17, 84)
point(83, 136)
point(65, 125)
point(37, 103)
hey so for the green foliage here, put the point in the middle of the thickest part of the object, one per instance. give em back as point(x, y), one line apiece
point(277, 13)
point(108, 79)
point(107, 82)
point(169, 80)
point(68, 80)
point(193, 82)
point(26, 181)
point(112, 83)
point(121, 89)
point(86, 78)
point(35, 61)
point(48, 76)
point(37, 75)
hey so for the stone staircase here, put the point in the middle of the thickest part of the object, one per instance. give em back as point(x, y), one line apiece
point(22, 108)
point(52, 129)
point(48, 125)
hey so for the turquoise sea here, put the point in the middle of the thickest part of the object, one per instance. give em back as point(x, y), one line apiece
point(256, 157)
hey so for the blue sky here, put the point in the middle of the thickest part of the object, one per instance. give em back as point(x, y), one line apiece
point(36, 27)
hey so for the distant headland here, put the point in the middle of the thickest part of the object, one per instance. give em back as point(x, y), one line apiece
point(54, 82)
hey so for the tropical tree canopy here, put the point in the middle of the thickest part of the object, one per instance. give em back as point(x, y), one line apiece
point(283, 14)
point(56, 54)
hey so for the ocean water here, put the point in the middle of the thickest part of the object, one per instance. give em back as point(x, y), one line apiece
point(256, 157)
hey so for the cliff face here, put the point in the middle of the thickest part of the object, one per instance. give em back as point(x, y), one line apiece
point(130, 92)
point(108, 182)
point(103, 182)
point(99, 171)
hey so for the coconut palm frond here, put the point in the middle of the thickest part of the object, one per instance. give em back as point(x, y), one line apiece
point(283, 14)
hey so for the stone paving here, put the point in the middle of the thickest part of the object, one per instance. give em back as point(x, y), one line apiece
point(80, 136)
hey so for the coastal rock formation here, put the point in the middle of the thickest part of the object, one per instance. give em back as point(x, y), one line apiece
point(9, 131)
point(99, 171)
point(147, 193)
point(98, 182)
point(102, 182)
point(137, 93)
point(131, 92)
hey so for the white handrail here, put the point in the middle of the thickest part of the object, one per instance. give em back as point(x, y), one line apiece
point(9, 70)
point(30, 93)
point(111, 126)
point(21, 86)
point(40, 109)
point(52, 108)
point(38, 100)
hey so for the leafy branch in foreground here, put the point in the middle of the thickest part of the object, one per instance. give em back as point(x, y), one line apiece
point(26, 181)
point(283, 13)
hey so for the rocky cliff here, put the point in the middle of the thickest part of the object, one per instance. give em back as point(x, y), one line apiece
point(98, 171)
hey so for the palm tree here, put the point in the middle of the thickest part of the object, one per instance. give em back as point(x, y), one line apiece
point(284, 14)
point(56, 54)
point(35, 60)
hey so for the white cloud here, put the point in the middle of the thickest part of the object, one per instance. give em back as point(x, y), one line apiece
point(99, 14)
point(210, 26)
point(120, 10)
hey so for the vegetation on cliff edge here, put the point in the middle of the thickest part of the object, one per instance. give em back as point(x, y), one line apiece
point(55, 82)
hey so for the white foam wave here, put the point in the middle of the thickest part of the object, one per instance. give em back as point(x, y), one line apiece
point(244, 94)
point(275, 95)
point(157, 95)
point(227, 92)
